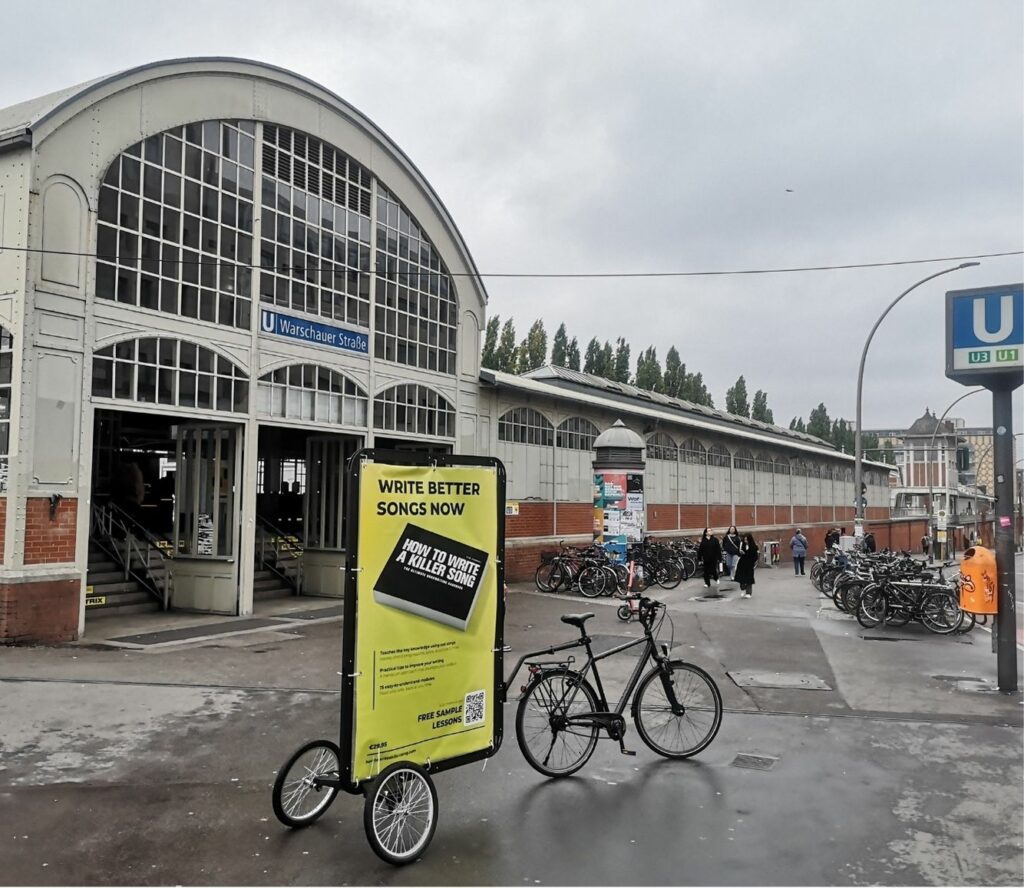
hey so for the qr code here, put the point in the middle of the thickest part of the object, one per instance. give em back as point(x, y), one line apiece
point(473, 710)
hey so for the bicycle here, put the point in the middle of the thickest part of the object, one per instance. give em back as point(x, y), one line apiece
point(676, 706)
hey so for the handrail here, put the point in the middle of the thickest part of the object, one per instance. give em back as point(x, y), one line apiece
point(126, 550)
point(282, 544)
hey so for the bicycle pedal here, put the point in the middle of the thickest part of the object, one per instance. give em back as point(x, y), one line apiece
point(625, 751)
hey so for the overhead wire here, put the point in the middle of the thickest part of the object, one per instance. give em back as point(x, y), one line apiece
point(138, 261)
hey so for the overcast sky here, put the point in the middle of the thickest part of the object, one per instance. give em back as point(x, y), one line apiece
point(643, 136)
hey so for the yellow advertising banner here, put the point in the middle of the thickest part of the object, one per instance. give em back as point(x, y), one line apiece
point(427, 610)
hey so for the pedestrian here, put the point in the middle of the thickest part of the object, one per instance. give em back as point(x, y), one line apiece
point(746, 564)
point(731, 543)
point(798, 545)
point(832, 538)
point(869, 542)
point(709, 553)
point(925, 544)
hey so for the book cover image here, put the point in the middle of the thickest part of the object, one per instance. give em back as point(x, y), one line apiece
point(432, 576)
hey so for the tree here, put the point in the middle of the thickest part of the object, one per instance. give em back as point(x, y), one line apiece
point(869, 445)
point(559, 347)
point(843, 436)
point(760, 411)
point(797, 424)
point(736, 401)
point(488, 357)
point(620, 372)
point(675, 372)
point(694, 390)
point(572, 355)
point(533, 351)
point(592, 359)
point(648, 371)
point(889, 454)
point(505, 355)
point(607, 360)
point(819, 424)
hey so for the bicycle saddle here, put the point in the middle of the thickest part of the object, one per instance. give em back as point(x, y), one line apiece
point(576, 619)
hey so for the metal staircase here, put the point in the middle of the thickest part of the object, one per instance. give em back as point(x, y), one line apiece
point(278, 562)
point(129, 568)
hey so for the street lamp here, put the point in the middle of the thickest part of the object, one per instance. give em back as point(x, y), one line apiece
point(858, 471)
point(928, 457)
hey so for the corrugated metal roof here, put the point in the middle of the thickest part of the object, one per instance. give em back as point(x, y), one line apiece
point(25, 114)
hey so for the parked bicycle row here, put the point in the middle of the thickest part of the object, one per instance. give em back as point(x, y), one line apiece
point(591, 571)
point(892, 589)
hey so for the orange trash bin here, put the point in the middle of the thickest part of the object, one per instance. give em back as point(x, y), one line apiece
point(979, 581)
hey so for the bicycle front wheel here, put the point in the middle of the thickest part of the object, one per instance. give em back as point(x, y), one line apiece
point(549, 743)
point(298, 799)
point(677, 712)
point(400, 813)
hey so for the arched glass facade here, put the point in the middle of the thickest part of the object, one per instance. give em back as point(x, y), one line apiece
point(413, 409)
point(178, 220)
point(661, 446)
point(313, 393)
point(576, 433)
point(524, 425)
point(160, 370)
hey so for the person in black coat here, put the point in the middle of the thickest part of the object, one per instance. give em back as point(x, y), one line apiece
point(746, 565)
point(710, 554)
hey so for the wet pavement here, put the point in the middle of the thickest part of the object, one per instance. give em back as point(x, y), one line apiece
point(846, 757)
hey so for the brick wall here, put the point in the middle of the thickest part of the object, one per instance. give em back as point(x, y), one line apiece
point(43, 612)
point(575, 518)
point(534, 519)
point(662, 516)
point(50, 540)
point(3, 526)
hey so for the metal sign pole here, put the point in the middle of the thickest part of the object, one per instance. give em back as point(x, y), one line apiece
point(1006, 625)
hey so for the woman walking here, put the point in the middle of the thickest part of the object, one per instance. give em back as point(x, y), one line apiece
point(799, 546)
point(746, 564)
point(731, 544)
point(709, 552)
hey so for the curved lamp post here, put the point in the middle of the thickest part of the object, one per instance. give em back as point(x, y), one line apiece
point(858, 471)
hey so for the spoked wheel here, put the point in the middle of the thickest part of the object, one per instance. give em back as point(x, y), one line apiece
point(871, 608)
point(548, 742)
point(941, 613)
point(688, 727)
point(591, 582)
point(668, 575)
point(400, 813)
point(688, 566)
point(298, 799)
point(623, 612)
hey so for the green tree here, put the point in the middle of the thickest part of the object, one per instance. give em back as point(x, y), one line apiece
point(621, 368)
point(869, 445)
point(797, 424)
point(572, 355)
point(696, 391)
point(559, 347)
point(889, 454)
point(843, 436)
point(534, 350)
point(819, 424)
point(675, 372)
point(593, 358)
point(648, 371)
point(488, 357)
point(736, 401)
point(607, 360)
point(505, 355)
point(761, 411)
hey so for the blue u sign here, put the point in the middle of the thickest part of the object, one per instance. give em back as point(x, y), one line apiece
point(312, 332)
point(984, 331)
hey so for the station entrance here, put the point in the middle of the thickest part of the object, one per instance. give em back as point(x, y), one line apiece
point(300, 510)
point(164, 525)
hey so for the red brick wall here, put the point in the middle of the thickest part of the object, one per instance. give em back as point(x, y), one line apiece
point(764, 515)
point(662, 516)
point(693, 517)
point(744, 516)
point(575, 518)
point(3, 526)
point(39, 613)
point(50, 541)
point(534, 519)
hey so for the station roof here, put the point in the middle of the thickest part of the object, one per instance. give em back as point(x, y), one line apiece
point(563, 384)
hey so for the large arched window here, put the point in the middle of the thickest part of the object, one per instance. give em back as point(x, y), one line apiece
point(744, 459)
point(800, 468)
point(315, 228)
point(416, 308)
point(311, 392)
point(6, 368)
point(157, 370)
point(693, 452)
point(719, 456)
point(782, 466)
point(576, 433)
point(524, 425)
point(763, 463)
point(413, 409)
point(661, 446)
point(176, 223)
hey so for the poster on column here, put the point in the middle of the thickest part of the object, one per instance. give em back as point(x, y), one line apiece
point(423, 650)
point(610, 502)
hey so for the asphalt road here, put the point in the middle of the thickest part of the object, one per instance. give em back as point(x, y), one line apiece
point(155, 767)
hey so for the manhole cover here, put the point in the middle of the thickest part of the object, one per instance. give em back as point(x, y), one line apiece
point(754, 762)
point(799, 681)
point(714, 596)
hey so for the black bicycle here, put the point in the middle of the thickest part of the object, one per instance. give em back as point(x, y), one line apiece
point(677, 707)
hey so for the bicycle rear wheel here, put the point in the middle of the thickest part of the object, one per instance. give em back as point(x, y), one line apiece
point(872, 606)
point(591, 582)
point(545, 575)
point(941, 613)
point(685, 729)
point(548, 743)
point(668, 574)
point(688, 566)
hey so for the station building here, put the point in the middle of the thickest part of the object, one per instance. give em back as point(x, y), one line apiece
point(218, 280)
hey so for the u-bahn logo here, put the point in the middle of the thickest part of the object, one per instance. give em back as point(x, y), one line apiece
point(1005, 315)
point(313, 332)
point(985, 331)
